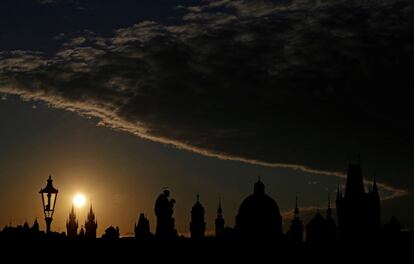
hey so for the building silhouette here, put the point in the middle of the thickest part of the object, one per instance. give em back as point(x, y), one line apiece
point(142, 229)
point(72, 225)
point(295, 232)
point(91, 224)
point(320, 230)
point(316, 229)
point(259, 217)
point(164, 210)
point(219, 222)
point(358, 212)
point(331, 228)
point(197, 224)
point(111, 233)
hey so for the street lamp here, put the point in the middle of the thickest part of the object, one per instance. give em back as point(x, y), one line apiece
point(49, 195)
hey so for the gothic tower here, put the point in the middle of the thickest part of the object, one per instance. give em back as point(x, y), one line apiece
point(358, 211)
point(197, 224)
point(91, 225)
point(296, 227)
point(72, 225)
point(219, 221)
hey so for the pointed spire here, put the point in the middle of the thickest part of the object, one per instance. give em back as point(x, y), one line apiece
point(329, 210)
point(219, 209)
point(198, 197)
point(374, 186)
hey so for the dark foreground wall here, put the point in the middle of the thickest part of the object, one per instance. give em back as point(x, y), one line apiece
point(131, 251)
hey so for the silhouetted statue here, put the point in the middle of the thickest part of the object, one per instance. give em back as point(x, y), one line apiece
point(142, 229)
point(35, 226)
point(164, 212)
point(259, 217)
point(219, 223)
point(72, 225)
point(81, 233)
point(197, 224)
point(358, 212)
point(91, 225)
point(295, 232)
point(111, 233)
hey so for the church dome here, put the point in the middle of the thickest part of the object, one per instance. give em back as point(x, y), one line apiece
point(198, 207)
point(259, 215)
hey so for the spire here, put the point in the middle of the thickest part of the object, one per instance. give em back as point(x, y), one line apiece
point(296, 208)
point(198, 197)
point(374, 186)
point(219, 210)
point(329, 210)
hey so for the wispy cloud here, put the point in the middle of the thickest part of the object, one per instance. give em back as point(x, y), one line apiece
point(287, 84)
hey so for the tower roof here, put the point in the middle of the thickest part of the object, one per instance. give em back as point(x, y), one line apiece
point(354, 182)
point(219, 209)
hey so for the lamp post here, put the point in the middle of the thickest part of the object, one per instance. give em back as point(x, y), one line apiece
point(49, 195)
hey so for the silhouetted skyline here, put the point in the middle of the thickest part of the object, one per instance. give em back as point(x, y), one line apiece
point(358, 218)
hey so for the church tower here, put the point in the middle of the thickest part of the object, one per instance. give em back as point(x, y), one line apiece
point(219, 221)
point(72, 225)
point(358, 212)
point(296, 227)
point(91, 225)
point(197, 224)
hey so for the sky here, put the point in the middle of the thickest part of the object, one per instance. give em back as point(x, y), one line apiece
point(119, 99)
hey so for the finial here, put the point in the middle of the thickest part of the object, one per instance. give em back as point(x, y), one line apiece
point(198, 197)
point(296, 211)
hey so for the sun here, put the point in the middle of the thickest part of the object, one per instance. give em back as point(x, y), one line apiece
point(79, 200)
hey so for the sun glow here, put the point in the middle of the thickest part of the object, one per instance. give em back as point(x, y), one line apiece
point(79, 200)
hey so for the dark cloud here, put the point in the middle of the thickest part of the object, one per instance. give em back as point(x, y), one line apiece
point(296, 84)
